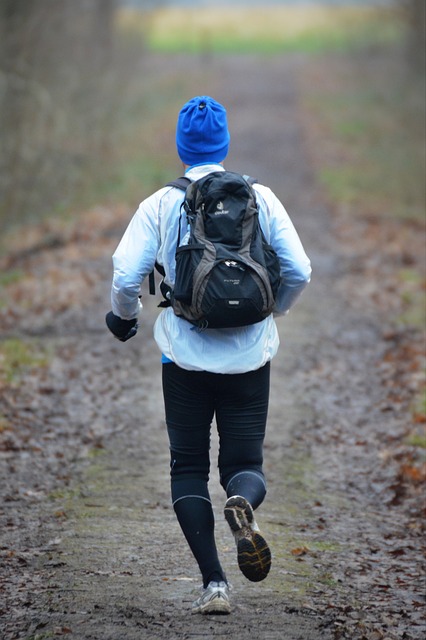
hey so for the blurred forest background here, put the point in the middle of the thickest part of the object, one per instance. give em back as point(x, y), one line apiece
point(74, 96)
point(56, 100)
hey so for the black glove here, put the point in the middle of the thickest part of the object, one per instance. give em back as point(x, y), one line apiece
point(122, 329)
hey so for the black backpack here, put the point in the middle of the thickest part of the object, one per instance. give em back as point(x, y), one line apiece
point(227, 275)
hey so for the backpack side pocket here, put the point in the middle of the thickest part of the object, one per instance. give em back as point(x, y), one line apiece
point(188, 257)
point(272, 264)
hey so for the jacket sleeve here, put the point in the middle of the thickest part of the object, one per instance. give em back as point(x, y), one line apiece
point(134, 259)
point(295, 265)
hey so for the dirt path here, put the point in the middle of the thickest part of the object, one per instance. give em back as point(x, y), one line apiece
point(101, 557)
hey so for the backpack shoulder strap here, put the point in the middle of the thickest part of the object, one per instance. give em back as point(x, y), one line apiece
point(183, 182)
point(249, 179)
point(180, 183)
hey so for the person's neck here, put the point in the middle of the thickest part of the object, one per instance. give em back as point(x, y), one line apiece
point(189, 166)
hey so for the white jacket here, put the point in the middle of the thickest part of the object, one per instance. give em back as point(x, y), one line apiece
point(152, 235)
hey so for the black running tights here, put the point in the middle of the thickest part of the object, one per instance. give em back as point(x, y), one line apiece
point(240, 404)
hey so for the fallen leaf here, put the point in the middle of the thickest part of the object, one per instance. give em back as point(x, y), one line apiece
point(415, 474)
point(299, 551)
point(60, 631)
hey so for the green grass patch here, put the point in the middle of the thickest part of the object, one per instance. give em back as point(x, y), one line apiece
point(265, 30)
point(10, 277)
point(412, 292)
point(416, 440)
point(64, 494)
point(7, 278)
point(17, 357)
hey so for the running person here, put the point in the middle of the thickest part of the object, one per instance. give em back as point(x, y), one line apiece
point(221, 373)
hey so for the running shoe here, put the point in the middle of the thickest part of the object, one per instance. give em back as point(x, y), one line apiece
point(214, 599)
point(254, 555)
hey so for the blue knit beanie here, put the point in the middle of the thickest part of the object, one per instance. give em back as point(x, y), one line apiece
point(202, 131)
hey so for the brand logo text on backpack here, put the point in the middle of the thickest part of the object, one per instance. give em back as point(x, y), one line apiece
point(220, 211)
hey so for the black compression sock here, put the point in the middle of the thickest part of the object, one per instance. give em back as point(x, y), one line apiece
point(250, 485)
point(195, 516)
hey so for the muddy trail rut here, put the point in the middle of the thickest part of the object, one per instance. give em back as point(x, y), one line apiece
point(90, 547)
